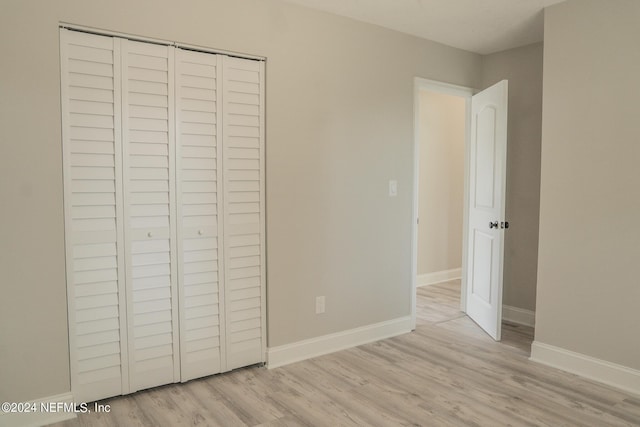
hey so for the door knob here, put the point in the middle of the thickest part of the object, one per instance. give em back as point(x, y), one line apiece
point(493, 224)
point(504, 224)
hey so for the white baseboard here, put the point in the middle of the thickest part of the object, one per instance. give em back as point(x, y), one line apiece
point(518, 316)
point(39, 416)
point(438, 277)
point(611, 374)
point(306, 349)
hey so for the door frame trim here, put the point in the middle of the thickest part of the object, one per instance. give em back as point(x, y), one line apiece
point(465, 92)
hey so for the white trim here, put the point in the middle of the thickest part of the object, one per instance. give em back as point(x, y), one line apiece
point(444, 88)
point(135, 37)
point(306, 349)
point(608, 373)
point(519, 316)
point(220, 189)
point(38, 418)
point(465, 205)
point(428, 279)
point(126, 285)
point(414, 200)
point(263, 210)
point(173, 213)
point(66, 175)
point(120, 222)
point(205, 49)
point(466, 93)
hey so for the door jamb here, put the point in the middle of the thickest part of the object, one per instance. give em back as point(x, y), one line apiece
point(466, 93)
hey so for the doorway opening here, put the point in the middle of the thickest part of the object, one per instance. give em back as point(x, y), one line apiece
point(442, 124)
point(459, 205)
point(441, 132)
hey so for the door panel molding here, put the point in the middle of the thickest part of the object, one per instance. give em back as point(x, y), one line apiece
point(487, 178)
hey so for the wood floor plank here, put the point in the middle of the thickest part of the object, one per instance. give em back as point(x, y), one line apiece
point(249, 402)
point(288, 421)
point(208, 399)
point(448, 372)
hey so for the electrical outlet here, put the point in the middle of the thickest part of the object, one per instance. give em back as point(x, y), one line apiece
point(319, 305)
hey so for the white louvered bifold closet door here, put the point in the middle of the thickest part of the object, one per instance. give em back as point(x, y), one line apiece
point(164, 196)
point(90, 77)
point(150, 230)
point(244, 207)
point(199, 213)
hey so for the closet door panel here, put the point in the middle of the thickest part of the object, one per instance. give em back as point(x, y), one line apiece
point(148, 144)
point(90, 71)
point(243, 160)
point(199, 213)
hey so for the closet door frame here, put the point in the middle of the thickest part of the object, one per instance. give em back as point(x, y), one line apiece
point(263, 213)
point(123, 237)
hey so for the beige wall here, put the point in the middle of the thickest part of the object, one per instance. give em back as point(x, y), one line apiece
point(441, 181)
point(339, 126)
point(588, 287)
point(523, 68)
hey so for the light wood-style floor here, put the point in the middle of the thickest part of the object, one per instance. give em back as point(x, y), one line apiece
point(446, 373)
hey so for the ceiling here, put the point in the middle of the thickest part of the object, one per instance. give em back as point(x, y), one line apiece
point(481, 26)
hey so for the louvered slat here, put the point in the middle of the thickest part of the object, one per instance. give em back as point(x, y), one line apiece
point(150, 225)
point(95, 280)
point(198, 175)
point(243, 169)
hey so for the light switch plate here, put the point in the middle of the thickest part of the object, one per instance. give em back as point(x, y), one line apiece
point(393, 188)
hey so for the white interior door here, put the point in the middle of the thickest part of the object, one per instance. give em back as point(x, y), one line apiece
point(487, 181)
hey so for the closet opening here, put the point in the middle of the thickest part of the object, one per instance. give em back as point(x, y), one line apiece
point(164, 197)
